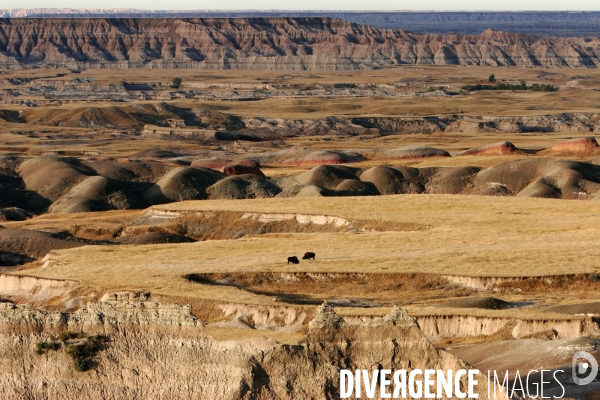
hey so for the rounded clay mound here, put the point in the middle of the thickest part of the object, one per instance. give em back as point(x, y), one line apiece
point(33, 243)
point(414, 152)
point(325, 157)
point(313, 191)
point(492, 189)
point(546, 178)
point(354, 187)
point(98, 193)
point(243, 187)
point(50, 177)
point(494, 149)
point(183, 183)
point(516, 175)
point(488, 303)
point(327, 176)
point(578, 145)
point(155, 238)
point(451, 180)
point(389, 180)
point(134, 171)
point(10, 162)
point(15, 214)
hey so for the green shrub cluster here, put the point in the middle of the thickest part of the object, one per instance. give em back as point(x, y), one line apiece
point(81, 352)
point(84, 351)
point(507, 86)
point(43, 347)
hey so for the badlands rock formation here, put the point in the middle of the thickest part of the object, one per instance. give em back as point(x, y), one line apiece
point(270, 44)
point(152, 345)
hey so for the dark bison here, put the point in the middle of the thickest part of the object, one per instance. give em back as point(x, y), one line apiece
point(308, 256)
point(293, 260)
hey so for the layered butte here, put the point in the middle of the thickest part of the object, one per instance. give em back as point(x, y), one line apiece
point(270, 44)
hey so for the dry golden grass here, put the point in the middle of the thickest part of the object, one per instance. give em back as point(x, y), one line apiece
point(467, 235)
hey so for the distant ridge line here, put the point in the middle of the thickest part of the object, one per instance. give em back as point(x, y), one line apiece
point(542, 23)
point(303, 43)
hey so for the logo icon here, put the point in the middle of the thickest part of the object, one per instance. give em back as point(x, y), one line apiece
point(583, 368)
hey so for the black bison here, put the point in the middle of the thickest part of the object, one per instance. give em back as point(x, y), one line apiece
point(308, 256)
point(293, 260)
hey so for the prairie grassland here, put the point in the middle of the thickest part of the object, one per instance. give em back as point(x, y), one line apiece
point(410, 73)
point(480, 103)
point(465, 235)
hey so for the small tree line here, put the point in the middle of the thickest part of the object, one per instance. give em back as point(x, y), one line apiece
point(508, 86)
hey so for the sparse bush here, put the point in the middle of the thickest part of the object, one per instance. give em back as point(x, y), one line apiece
point(431, 89)
point(64, 336)
point(593, 278)
point(43, 347)
point(80, 365)
point(80, 352)
point(176, 82)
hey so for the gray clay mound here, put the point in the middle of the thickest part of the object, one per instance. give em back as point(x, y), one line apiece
point(494, 149)
point(33, 243)
point(414, 152)
point(516, 175)
point(97, 193)
point(133, 171)
point(542, 188)
point(50, 177)
point(543, 178)
point(328, 176)
point(290, 191)
point(324, 157)
point(488, 303)
point(314, 191)
point(12, 189)
point(492, 189)
point(451, 180)
point(155, 238)
point(353, 187)
point(243, 187)
point(583, 308)
point(183, 183)
point(389, 180)
point(10, 162)
point(154, 154)
point(15, 214)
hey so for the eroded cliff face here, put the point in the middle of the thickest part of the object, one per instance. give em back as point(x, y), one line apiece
point(270, 44)
point(160, 351)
